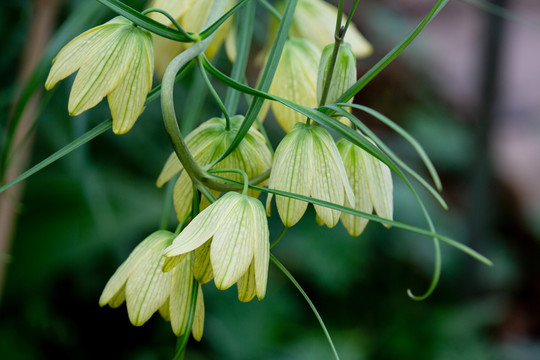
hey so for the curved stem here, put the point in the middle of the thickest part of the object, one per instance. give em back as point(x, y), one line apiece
point(173, 20)
point(295, 283)
point(167, 100)
point(214, 93)
point(280, 236)
point(237, 171)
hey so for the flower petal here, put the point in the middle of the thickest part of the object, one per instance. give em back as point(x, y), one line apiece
point(115, 285)
point(198, 321)
point(292, 171)
point(180, 295)
point(99, 77)
point(183, 195)
point(261, 255)
point(127, 100)
point(327, 184)
point(148, 287)
point(380, 186)
point(203, 227)
point(202, 269)
point(246, 285)
point(232, 246)
point(356, 172)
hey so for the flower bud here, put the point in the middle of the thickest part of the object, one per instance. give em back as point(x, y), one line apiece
point(371, 182)
point(343, 76)
point(307, 162)
point(116, 60)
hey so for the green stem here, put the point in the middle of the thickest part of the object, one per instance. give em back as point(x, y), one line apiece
point(167, 99)
point(295, 283)
point(280, 236)
point(349, 19)
point(173, 20)
point(214, 93)
point(271, 9)
point(237, 171)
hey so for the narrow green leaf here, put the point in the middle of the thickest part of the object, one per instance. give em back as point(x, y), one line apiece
point(144, 21)
point(93, 133)
point(388, 58)
point(372, 217)
point(212, 28)
point(419, 149)
point(267, 76)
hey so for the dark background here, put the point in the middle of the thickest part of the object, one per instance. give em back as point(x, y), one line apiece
point(466, 89)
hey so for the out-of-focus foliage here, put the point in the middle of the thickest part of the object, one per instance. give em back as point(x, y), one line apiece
point(81, 217)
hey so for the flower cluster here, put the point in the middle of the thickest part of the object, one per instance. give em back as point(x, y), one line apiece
point(227, 240)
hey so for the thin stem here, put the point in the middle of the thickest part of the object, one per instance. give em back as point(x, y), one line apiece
point(237, 171)
point(167, 99)
point(173, 20)
point(295, 283)
point(280, 236)
point(271, 9)
point(349, 18)
point(214, 93)
point(182, 223)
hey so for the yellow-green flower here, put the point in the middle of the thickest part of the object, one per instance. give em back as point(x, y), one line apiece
point(307, 162)
point(343, 76)
point(206, 143)
point(146, 289)
point(231, 243)
point(116, 60)
point(191, 15)
point(315, 20)
point(295, 80)
point(371, 182)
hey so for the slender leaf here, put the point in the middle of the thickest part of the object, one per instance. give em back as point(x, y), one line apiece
point(212, 28)
point(372, 217)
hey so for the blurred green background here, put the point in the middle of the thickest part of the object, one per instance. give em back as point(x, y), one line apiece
point(454, 89)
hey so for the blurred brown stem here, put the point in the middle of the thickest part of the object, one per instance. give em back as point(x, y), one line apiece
point(40, 30)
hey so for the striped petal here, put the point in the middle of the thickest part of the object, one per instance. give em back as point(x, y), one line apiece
point(180, 295)
point(203, 227)
point(115, 286)
point(232, 247)
point(380, 186)
point(148, 288)
point(127, 100)
point(99, 77)
point(261, 239)
point(292, 172)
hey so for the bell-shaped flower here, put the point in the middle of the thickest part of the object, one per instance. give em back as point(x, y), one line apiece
point(371, 182)
point(191, 15)
point(315, 20)
point(206, 143)
point(307, 162)
point(146, 289)
point(231, 243)
point(343, 76)
point(295, 80)
point(116, 60)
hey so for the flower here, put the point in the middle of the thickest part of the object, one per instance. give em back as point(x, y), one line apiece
point(371, 182)
point(295, 80)
point(344, 75)
point(192, 16)
point(116, 60)
point(206, 143)
point(315, 20)
point(307, 162)
point(146, 288)
point(231, 243)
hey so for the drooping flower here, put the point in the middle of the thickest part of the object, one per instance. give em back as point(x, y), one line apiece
point(371, 182)
point(116, 60)
point(146, 289)
point(315, 20)
point(206, 143)
point(191, 15)
point(307, 162)
point(231, 243)
point(295, 80)
point(343, 76)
